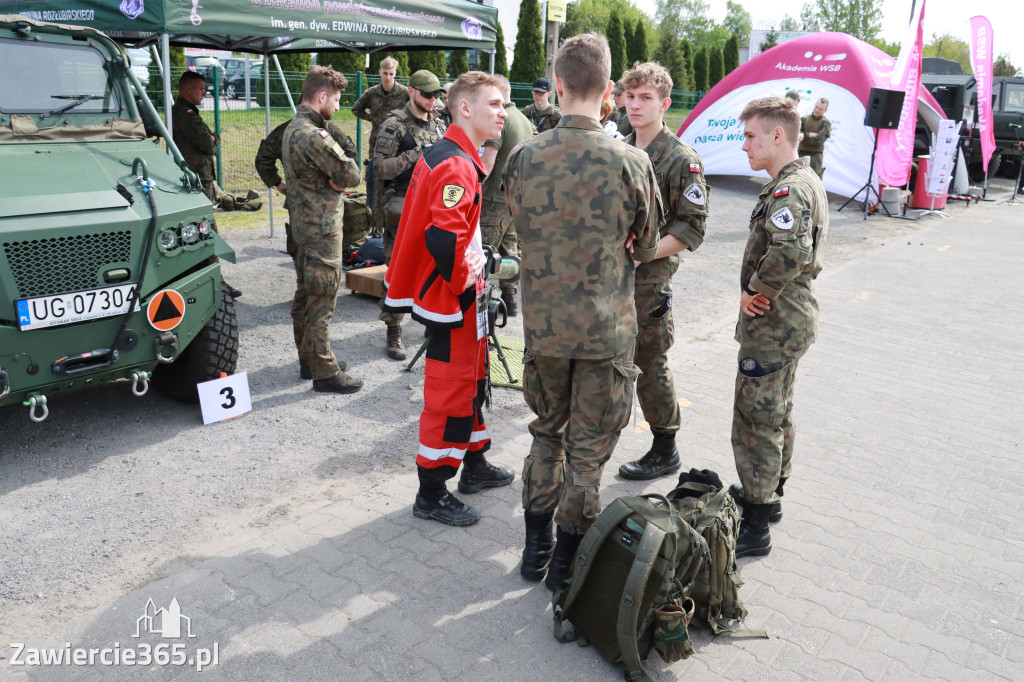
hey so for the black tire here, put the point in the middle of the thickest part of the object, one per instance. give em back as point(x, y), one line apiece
point(213, 351)
point(1010, 166)
point(230, 91)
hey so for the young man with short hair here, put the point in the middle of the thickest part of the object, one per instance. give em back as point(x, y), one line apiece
point(816, 129)
point(778, 318)
point(584, 206)
point(684, 194)
point(542, 113)
point(435, 274)
point(316, 171)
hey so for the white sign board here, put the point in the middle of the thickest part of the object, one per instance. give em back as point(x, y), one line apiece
point(940, 169)
point(225, 398)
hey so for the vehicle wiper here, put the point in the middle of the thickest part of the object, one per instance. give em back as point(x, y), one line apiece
point(79, 99)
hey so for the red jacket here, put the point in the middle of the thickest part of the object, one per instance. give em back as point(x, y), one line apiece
point(440, 217)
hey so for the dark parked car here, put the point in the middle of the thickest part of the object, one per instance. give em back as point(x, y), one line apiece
point(235, 87)
point(207, 66)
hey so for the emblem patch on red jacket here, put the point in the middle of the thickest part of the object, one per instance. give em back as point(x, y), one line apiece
point(782, 191)
point(451, 195)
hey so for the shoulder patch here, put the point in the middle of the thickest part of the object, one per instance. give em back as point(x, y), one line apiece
point(695, 168)
point(783, 218)
point(694, 193)
point(324, 134)
point(190, 111)
point(451, 195)
point(782, 191)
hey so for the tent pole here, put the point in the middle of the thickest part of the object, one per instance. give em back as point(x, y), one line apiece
point(287, 92)
point(266, 111)
point(492, 61)
point(165, 47)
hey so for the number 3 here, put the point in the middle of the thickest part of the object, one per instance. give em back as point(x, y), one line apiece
point(229, 395)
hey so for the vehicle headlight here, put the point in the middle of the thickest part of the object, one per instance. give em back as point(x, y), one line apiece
point(205, 227)
point(169, 239)
point(190, 233)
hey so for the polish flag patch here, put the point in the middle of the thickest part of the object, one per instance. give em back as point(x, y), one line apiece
point(695, 168)
point(782, 191)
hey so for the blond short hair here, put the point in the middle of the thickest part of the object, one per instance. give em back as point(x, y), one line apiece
point(504, 86)
point(322, 78)
point(389, 62)
point(468, 84)
point(823, 100)
point(584, 65)
point(774, 111)
point(648, 73)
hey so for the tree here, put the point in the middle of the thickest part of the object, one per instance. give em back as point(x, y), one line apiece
point(789, 23)
point(617, 45)
point(731, 54)
point(860, 18)
point(949, 46)
point(715, 66)
point(345, 62)
point(399, 56)
point(891, 49)
point(690, 83)
point(155, 87)
point(737, 20)
point(432, 60)
point(809, 18)
point(700, 70)
point(528, 56)
point(591, 16)
point(296, 61)
point(771, 39)
point(636, 45)
point(670, 55)
point(500, 54)
point(1003, 66)
point(458, 63)
point(690, 19)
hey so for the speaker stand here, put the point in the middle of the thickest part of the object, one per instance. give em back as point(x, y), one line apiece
point(869, 188)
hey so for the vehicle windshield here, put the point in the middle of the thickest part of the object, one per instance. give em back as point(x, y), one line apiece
point(1014, 98)
point(44, 78)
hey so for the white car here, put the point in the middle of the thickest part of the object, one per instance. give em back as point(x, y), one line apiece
point(140, 60)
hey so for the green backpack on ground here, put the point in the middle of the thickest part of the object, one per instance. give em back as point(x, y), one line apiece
point(355, 221)
point(630, 575)
point(713, 514)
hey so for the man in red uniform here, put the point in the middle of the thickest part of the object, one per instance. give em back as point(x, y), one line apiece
point(435, 274)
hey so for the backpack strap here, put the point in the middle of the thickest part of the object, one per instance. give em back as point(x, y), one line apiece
point(632, 594)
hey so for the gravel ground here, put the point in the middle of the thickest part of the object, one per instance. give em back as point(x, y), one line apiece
point(112, 490)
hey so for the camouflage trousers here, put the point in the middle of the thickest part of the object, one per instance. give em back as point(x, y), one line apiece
point(581, 406)
point(316, 293)
point(655, 388)
point(816, 161)
point(392, 215)
point(762, 423)
point(496, 229)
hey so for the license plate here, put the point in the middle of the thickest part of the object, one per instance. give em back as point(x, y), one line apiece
point(92, 304)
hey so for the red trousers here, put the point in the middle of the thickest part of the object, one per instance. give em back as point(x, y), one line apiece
point(454, 390)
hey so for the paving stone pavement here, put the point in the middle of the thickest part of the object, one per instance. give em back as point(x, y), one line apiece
point(899, 556)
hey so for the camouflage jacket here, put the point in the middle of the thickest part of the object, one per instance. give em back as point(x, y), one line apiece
point(617, 115)
point(783, 256)
point(197, 143)
point(376, 105)
point(543, 120)
point(311, 160)
point(575, 196)
point(270, 152)
point(400, 145)
point(516, 129)
point(822, 126)
point(684, 193)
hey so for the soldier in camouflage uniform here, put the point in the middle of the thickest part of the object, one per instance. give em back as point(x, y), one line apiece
point(400, 144)
point(778, 313)
point(685, 196)
point(375, 105)
point(619, 99)
point(542, 114)
point(816, 129)
point(316, 171)
point(495, 220)
point(580, 202)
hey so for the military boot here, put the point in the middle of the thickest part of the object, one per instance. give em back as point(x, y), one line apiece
point(540, 543)
point(433, 501)
point(339, 383)
point(306, 373)
point(754, 538)
point(560, 567)
point(511, 307)
point(478, 473)
point(395, 349)
point(736, 490)
point(235, 293)
point(661, 459)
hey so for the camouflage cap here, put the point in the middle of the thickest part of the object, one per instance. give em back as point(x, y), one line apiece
point(793, 94)
point(424, 81)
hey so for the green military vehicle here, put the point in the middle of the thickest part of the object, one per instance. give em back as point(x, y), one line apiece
point(109, 251)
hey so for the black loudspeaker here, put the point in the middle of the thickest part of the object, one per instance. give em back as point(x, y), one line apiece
point(884, 108)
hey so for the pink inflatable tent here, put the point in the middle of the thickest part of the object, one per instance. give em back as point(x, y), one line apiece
point(836, 66)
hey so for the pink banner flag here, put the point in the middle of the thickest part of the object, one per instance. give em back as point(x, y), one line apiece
point(981, 62)
point(896, 147)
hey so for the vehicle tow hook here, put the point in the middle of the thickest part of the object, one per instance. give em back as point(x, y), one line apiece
point(35, 400)
point(166, 340)
point(140, 383)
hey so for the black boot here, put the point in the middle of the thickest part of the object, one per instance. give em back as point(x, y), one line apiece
point(478, 473)
point(339, 383)
point(540, 543)
point(736, 490)
point(754, 539)
point(510, 303)
point(560, 567)
point(395, 349)
point(433, 501)
point(661, 459)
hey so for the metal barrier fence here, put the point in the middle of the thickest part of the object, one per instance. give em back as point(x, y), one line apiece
point(242, 123)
